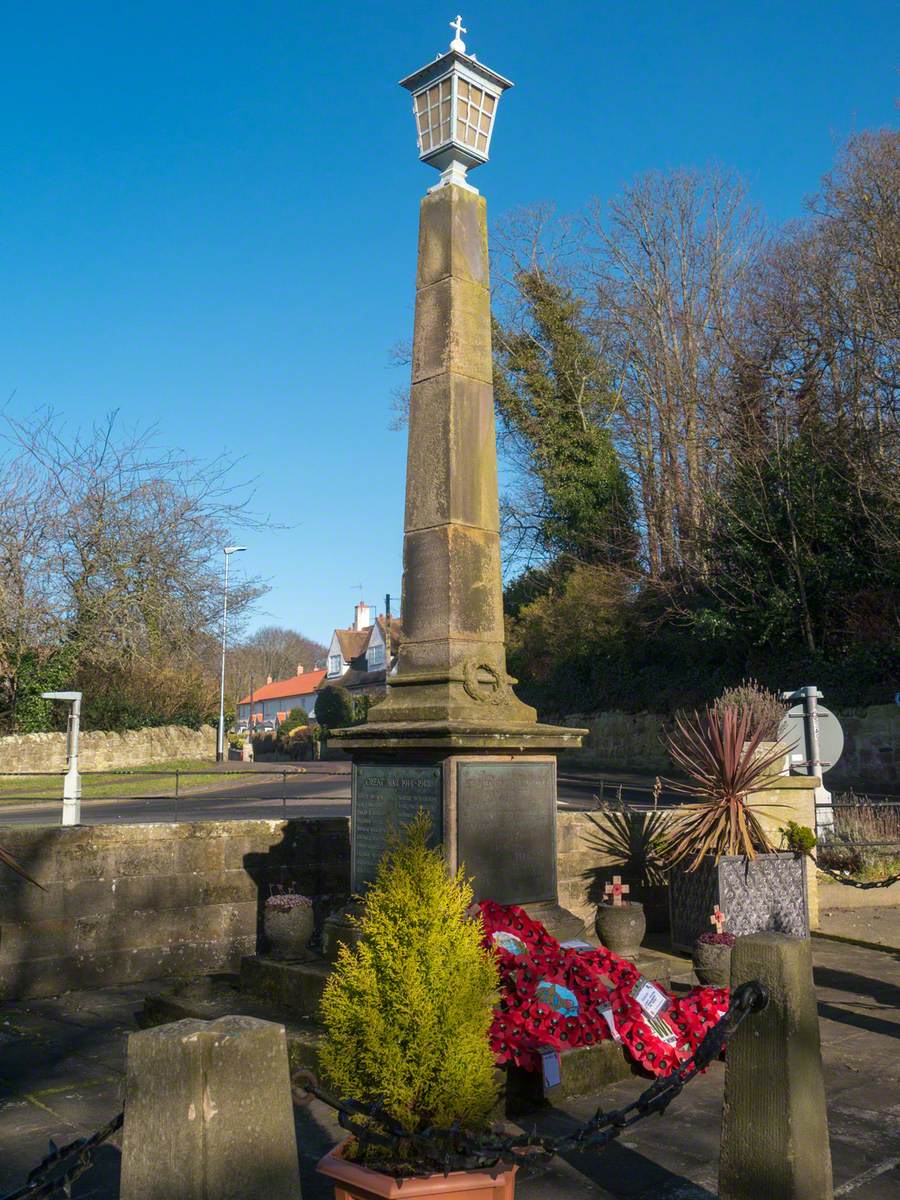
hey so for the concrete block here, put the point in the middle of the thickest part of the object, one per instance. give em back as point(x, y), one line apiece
point(296, 987)
point(451, 430)
point(774, 1123)
point(208, 1113)
point(452, 237)
point(452, 331)
point(141, 858)
point(199, 855)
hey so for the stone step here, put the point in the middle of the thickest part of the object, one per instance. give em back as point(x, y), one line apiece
point(293, 985)
point(214, 996)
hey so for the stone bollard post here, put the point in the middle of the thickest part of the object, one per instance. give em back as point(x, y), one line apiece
point(774, 1124)
point(208, 1113)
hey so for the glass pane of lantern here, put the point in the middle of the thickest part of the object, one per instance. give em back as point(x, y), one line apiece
point(461, 130)
point(445, 89)
point(489, 104)
point(463, 90)
point(421, 102)
point(426, 141)
point(445, 110)
point(477, 95)
point(482, 143)
point(445, 131)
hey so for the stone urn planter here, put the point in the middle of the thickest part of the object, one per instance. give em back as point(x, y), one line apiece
point(340, 927)
point(356, 1182)
point(289, 923)
point(621, 927)
point(763, 893)
point(712, 959)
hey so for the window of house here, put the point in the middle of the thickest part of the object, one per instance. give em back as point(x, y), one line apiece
point(376, 657)
point(334, 664)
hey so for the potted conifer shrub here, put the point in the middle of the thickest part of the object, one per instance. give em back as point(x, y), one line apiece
point(407, 1014)
point(716, 848)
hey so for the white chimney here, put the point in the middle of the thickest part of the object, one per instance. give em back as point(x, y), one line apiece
point(362, 618)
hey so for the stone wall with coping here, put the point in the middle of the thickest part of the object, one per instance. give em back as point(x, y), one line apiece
point(584, 865)
point(871, 757)
point(618, 739)
point(125, 903)
point(99, 751)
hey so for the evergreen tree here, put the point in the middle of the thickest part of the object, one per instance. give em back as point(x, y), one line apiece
point(555, 398)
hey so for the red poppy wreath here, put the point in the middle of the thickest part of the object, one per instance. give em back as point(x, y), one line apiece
point(554, 997)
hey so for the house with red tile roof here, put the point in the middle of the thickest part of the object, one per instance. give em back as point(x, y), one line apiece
point(273, 700)
point(359, 657)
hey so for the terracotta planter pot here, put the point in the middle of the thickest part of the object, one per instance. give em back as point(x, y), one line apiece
point(355, 1182)
point(712, 963)
point(621, 928)
point(289, 932)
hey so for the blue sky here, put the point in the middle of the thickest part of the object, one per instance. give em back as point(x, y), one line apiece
point(208, 211)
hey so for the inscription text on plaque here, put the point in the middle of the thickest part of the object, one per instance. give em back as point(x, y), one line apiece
point(387, 796)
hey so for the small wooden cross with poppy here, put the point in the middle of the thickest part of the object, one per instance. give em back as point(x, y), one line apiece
point(616, 890)
point(718, 919)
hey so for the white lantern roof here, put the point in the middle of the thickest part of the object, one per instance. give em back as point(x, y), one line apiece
point(454, 103)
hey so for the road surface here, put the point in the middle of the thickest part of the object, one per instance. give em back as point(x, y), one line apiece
point(317, 790)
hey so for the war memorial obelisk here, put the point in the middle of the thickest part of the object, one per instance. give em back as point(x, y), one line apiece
point(451, 736)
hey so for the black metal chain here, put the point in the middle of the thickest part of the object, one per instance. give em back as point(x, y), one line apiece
point(857, 883)
point(436, 1150)
point(78, 1154)
point(432, 1150)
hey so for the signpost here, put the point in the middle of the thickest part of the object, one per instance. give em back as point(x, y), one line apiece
point(71, 813)
point(819, 740)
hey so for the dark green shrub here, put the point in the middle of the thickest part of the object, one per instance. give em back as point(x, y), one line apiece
point(334, 707)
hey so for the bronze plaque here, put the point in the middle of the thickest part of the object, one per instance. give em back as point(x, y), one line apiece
point(387, 796)
point(506, 822)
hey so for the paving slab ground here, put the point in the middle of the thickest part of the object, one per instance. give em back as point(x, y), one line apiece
point(880, 926)
point(62, 1060)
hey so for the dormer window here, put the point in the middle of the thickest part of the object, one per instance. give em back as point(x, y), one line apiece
point(376, 657)
point(334, 664)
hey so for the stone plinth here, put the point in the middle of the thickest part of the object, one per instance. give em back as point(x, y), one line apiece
point(774, 1123)
point(194, 1128)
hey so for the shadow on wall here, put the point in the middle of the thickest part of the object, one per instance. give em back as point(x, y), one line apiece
point(630, 844)
point(311, 858)
point(26, 909)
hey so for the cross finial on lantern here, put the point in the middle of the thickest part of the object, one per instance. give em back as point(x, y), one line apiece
point(616, 890)
point(718, 919)
point(458, 43)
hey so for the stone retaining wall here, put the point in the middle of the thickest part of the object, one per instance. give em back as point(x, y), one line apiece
point(99, 751)
point(585, 867)
point(871, 758)
point(125, 903)
point(130, 902)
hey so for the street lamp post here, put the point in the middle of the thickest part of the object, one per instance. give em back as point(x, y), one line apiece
point(71, 813)
point(220, 740)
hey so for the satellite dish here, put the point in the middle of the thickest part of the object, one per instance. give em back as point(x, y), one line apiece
point(792, 731)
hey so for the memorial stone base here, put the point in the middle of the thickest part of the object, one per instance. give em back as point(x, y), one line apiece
point(494, 814)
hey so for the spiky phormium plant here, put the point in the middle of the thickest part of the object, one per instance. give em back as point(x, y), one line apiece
point(724, 764)
point(408, 1012)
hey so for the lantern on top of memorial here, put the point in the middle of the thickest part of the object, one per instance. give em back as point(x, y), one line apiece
point(455, 102)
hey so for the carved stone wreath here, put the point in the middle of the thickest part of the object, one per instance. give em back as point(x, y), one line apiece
point(483, 682)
